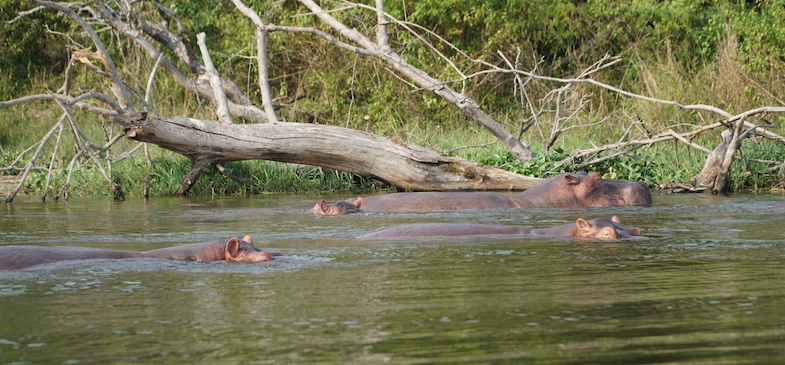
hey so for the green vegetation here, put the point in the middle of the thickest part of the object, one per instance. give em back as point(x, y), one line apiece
point(722, 53)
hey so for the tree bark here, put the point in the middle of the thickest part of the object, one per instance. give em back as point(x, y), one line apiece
point(382, 51)
point(408, 167)
point(715, 175)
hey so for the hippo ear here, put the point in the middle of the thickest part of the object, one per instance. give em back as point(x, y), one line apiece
point(232, 250)
point(583, 226)
point(357, 202)
point(320, 208)
point(615, 219)
point(248, 238)
point(570, 179)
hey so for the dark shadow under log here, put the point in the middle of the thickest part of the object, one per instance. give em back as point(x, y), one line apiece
point(408, 167)
point(201, 163)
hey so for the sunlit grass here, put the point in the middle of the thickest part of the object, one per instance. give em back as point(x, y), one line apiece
point(384, 107)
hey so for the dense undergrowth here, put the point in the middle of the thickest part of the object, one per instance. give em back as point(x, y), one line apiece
point(727, 54)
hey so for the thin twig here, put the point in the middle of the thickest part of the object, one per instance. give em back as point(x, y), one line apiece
point(26, 171)
point(222, 105)
point(261, 59)
point(54, 158)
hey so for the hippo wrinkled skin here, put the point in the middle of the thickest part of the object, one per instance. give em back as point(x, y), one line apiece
point(234, 250)
point(598, 228)
point(565, 190)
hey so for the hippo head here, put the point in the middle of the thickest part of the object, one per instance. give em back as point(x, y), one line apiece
point(348, 206)
point(244, 251)
point(604, 229)
point(582, 190)
point(628, 193)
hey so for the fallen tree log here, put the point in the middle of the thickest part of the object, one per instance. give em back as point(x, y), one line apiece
point(408, 167)
point(715, 175)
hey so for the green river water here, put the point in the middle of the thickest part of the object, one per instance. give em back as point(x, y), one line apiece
point(706, 285)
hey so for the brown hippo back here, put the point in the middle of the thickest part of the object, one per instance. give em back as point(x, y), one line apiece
point(438, 201)
point(445, 230)
point(598, 228)
point(234, 250)
point(565, 190)
point(582, 190)
point(18, 257)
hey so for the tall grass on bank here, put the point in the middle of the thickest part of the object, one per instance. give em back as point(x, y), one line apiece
point(654, 165)
point(165, 176)
point(315, 83)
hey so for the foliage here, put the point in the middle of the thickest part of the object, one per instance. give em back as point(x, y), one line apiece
point(723, 53)
point(28, 53)
point(166, 173)
point(636, 167)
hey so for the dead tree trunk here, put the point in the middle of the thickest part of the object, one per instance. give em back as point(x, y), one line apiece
point(407, 167)
point(715, 172)
point(715, 175)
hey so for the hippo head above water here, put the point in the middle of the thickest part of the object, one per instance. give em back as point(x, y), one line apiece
point(237, 250)
point(565, 190)
point(582, 190)
point(349, 206)
point(603, 229)
point(594, 229)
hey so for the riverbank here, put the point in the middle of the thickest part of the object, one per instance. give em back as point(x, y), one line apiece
point(7, 184)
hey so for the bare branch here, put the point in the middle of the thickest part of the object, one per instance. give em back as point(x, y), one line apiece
point(222, 106)
point(52, 161)
point(85, 146)
point(261, 59)
point(424, 80)
point(326, 36)
point(242, 181)
point(381, 28)
point(69, 100)
point(239, 104)
point(31, 163)
point(149, 89)
point(22, 14)
point(117, 84)
point(688, 142)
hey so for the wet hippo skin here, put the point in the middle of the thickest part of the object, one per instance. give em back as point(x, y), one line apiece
point(598, 228)
point(234, 250)
point(565, 190)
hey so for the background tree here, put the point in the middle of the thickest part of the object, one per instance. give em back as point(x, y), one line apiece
point(410, 45)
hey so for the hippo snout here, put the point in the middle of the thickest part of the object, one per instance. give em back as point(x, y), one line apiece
point(635, 193)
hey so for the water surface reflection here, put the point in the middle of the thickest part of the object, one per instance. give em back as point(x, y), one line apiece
point(705, 286)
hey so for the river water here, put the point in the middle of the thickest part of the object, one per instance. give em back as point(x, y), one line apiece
point(705, 285)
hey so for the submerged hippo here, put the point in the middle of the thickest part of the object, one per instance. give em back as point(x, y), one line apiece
point(234, 250)
point(599, 228)
point(565, 190)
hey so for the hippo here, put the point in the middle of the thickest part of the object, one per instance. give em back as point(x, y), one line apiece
point(565, 190)
point(234, 250)
point(598, 228)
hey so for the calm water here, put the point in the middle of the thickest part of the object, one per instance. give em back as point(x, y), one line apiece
point(707, 285)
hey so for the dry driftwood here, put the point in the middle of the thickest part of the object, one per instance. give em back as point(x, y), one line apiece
point(208, 143)
point(715, 175)
point(409, 167)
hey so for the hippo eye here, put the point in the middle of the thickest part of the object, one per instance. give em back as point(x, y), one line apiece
point(610, 234)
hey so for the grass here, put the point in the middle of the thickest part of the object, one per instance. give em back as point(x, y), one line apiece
point(654, 165)
point(425, 120)
point(166, 173)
